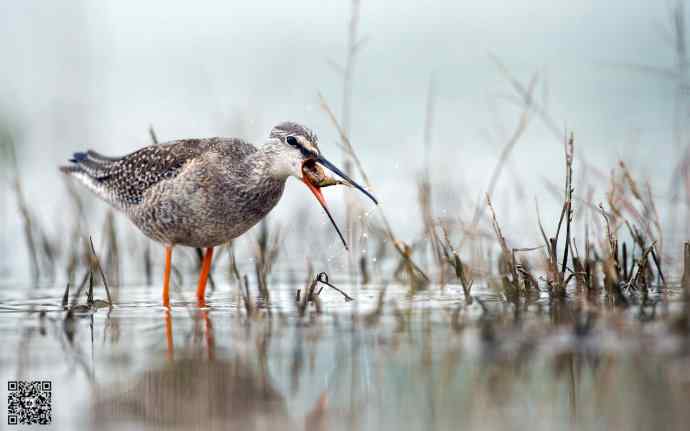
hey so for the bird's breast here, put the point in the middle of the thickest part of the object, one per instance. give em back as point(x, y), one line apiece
point(248, 205)
point(204, 209)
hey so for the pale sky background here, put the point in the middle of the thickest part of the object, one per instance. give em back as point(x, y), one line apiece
point(97, 74)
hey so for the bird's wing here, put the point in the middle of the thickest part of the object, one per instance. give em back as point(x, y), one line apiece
point(123, 180)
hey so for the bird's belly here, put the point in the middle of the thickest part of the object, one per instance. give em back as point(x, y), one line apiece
point(201, 220)
point(191, 228)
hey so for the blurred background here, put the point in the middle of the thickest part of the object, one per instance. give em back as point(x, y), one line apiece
point(445, 102)
point(79, 74)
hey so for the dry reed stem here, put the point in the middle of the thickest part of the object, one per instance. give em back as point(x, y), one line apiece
point(95, 261)
point(7, 142)
point(152, 135)
point(347, 73)
point(425, 185)
point(685, 281)
point(303, 300)
point(266, 250)
point(461, 272)
point(112, 257)
point(556, 273)
point(508, 257)
point(519, 130)
point(398, 245)
point(642, 269)
point(526, 98)
point(568, 205)
point(28, 230)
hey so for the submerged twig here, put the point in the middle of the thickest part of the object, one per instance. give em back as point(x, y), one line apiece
point(322, 277)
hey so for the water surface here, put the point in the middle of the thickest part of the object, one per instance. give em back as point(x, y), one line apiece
point(427, 361)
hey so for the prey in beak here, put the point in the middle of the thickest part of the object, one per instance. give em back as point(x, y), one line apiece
point(314, 177)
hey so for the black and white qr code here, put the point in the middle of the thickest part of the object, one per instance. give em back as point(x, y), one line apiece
point(29, 403)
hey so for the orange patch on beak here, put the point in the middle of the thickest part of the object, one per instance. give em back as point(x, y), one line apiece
point(316, 191)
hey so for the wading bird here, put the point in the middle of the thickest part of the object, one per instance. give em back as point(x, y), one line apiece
point(206, 192)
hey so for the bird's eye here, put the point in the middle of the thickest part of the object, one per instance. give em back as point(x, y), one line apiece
point(292, 141)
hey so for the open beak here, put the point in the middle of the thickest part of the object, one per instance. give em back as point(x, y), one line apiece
point(331, 167)
point(322, 201)
point(319, 196)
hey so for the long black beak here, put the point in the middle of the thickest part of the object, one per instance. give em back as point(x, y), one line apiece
point(325, 163)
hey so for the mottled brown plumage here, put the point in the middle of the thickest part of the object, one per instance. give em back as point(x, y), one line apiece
point(205, 192)
point(193, 192)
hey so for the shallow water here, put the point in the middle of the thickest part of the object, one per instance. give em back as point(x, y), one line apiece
point(426, 361)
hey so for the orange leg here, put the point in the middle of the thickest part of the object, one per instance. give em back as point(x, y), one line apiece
point(203, 277)
point(166, 276)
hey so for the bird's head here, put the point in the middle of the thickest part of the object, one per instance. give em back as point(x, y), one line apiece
point(297, 154)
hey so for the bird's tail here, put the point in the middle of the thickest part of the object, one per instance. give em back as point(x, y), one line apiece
point(92, 169)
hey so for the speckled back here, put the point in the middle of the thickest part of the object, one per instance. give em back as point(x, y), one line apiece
point(196, 192)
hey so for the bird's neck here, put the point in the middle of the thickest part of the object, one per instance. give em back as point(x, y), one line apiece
point(269, 162)
point(263, 167)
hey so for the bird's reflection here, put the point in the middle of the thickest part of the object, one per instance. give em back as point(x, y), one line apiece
point(199, 393)
point(192, 393)
point(202, 314)
point(169, 335)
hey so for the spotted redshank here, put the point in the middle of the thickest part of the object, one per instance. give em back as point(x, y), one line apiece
point(206, 192)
